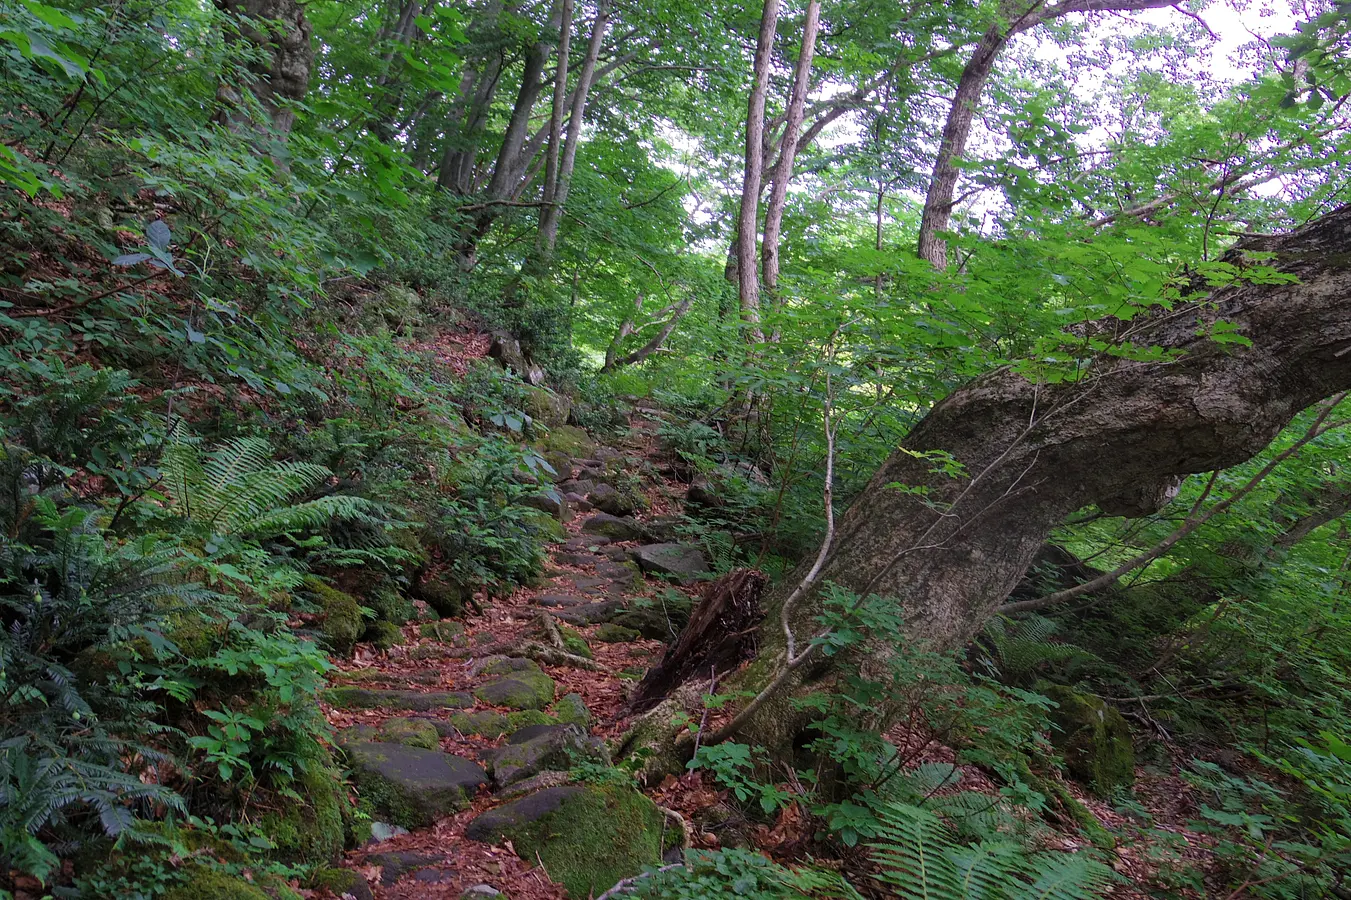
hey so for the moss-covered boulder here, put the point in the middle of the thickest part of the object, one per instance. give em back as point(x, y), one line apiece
point(486, 723)
point(521, 685)
point(444, 596)
point(340, 882)
point(212, 884)
point(614, 633)
point(411, 787)
point(613, 527)
point(574, 642)
point(547, 525)
point(445, 631)
point(340, 623)
point(542, 748)
point(571, 710)
point(546, 407)
point(588, 836)
point(384, 635)
point(310, 831)
point(411, 733)
point(649, 622)
point(1092, 737)
point(569, 439)
point(367, 698)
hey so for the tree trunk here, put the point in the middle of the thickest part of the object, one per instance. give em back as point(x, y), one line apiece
point(280, 29)
point(748, 216)
point(1121, 437)
point(553, 212)
point(938, 201)
point(788, 146)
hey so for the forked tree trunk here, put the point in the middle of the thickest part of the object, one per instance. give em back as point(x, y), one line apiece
point(748, 214)
point(1121, 438)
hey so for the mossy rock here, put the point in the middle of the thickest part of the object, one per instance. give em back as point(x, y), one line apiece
point(311, 831)
point(367, 698)
point(411, 787)
point(341, 625)
point(384, 635)
point(445, 631)
point(1092, 737)
point(489, 724)
point(574, 642)
point(484, 723)
point(546, 523)
point(523, 688)
point(569, 439)
point(446, 597)
point(341, 881)
point(197, 636)
point(411, 733)
point(361, 676)
point(614, 633)
point(212, 884)
point(571, 710)
point(613, 527)
point(546, 407)
point(587, 836)
point(648, 622)
point(388, 604)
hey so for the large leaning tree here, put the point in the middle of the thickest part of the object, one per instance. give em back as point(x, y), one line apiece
point(949, 543)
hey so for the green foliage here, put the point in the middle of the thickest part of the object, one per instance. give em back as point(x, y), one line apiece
point(729, 873)
point(919, 857)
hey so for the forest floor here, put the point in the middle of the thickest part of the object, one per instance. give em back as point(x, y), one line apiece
point(586, 572)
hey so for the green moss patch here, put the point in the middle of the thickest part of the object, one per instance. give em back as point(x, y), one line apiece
point(1092, 737)
point(588, 836)
point(412, 787)
point(341, 624)
point(524, 689)
point(574, 642)
point(384, 635)
point(411, 733)
point(614, 633)
point(213, 884)
point(571, 710)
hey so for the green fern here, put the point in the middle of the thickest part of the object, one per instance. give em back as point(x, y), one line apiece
point(1016, 651)
point(238, 489)
point(919, 857)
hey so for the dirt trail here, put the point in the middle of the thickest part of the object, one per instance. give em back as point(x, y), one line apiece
point(586, 575)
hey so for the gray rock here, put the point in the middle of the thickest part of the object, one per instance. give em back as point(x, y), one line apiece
point(613, 527)
point(522, 689)
point(383, 831)
point(590, 613)
point(507, 351)
point(544, 747)
point(493, 824)
point(413, 787)
point(574, 559)
point(551, 502)
point(560, 601)
point(572, 708)
point(701, 493)
point(538, 782)
point(581, 486)
point(578, 502)
point(585, 542)
point(397, 863)
point(548, 407)
point(681, 561)
point(481, 892)
point(650, 623)
point(366, 698)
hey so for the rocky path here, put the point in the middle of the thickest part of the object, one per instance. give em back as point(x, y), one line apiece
point(479, 746)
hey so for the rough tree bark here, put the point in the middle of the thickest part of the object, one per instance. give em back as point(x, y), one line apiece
point(1122, 438)
point(280, 28)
